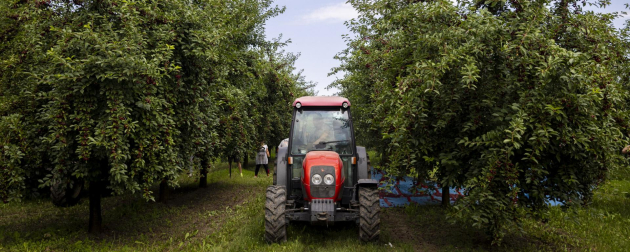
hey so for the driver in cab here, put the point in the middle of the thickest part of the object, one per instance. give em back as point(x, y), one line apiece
point(321, 132)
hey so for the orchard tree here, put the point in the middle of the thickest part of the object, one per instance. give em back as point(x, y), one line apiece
point(23, 159)
point(120, 94)
point(517, 101)
point(278, 87)
point(258, 108)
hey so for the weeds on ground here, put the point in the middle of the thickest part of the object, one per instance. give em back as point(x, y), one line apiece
point(129, 221)
point(602, 226)
point(193, 220)
point(229, 216)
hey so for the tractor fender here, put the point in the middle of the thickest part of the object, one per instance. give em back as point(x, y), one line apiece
point(281, 167)
point(367, 183)
point(362, 163)
point(363, 183)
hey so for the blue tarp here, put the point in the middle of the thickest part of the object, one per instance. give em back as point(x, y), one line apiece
point(404, 192)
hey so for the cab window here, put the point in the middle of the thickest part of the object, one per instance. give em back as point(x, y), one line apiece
point(317, 129)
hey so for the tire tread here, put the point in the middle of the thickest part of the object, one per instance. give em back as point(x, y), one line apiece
point(275, 221)
point(369, 214)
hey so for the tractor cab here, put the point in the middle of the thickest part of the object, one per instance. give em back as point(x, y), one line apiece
point(322, 129)
point(322, 177)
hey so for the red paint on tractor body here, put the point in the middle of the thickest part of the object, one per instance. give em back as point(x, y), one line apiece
point(321, 101)
point(323, 158)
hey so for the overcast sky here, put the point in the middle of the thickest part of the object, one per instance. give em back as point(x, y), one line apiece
point(315, 29)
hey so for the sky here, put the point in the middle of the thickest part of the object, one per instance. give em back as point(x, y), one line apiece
point(315, 29)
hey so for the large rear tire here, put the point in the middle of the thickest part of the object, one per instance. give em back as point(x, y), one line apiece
point(66, 196)
point(369, 210)
point(275, 222)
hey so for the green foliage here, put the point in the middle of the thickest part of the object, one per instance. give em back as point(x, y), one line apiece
point(142, 86)
point(257, 110)
point(518, 102)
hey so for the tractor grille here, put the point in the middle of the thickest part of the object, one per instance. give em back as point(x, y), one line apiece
point(323, 190)
point(322, 205)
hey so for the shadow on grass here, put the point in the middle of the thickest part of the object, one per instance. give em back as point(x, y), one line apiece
point(302, 236)
point(307, 234)
point(428, 229)
point(128, 220)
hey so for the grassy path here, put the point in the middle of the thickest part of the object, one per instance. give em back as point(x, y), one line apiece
point(131, 223)
point(228, 215)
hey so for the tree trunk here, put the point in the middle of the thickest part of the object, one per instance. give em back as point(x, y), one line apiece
point(203, 179)
point(384, 158)
point(446, 196)
point(163, 194)
point(96, 218)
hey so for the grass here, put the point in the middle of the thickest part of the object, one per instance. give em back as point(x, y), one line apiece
point(130, 222)
point(602, 226)
point(226, 216)
point(229, 216)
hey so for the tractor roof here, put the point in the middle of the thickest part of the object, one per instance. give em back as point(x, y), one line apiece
point(314, 101)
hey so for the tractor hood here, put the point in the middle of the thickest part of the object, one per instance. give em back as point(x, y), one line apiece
point(318, 168)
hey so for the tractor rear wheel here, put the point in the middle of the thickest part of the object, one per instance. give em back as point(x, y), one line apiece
point(275, 222)
point(275, 178)
point(65, 196)
point(369, 210)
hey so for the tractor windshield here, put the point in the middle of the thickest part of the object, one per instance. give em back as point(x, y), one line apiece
point(318, 129)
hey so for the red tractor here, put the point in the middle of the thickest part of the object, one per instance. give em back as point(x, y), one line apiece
point(322, 177)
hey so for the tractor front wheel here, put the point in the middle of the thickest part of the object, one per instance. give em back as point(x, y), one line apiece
point(275, 222)
point(369, 219)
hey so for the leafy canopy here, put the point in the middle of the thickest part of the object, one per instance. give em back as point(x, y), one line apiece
point(519, 102)
point(134, 92)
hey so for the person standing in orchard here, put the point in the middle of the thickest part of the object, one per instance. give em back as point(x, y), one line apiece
point(236, 158)
point(262, 158)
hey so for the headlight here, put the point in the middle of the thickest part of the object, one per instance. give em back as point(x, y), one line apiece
point(329, 179)
point(298, 105)
point(345, 105)
point(316, 179)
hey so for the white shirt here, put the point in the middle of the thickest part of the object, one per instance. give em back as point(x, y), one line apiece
point(261, 156)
